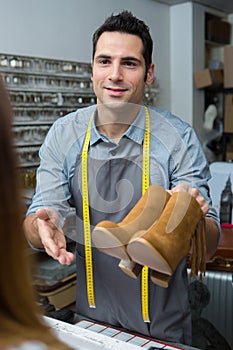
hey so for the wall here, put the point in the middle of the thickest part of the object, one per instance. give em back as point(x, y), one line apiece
point(63, 28)
point(181, 29)
point(230, 19)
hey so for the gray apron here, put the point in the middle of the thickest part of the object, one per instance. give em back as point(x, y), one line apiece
point(118, 296)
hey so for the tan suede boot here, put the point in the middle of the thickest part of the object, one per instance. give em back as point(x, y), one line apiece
point(161, 279)
point(112, 238)
point(169, 239)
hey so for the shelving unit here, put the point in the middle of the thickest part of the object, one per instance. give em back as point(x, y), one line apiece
point(42, 90)
point(227, 154)
point(215, 94)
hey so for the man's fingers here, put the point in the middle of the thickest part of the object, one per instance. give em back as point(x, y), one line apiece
point(51, 247)
point(181, 188)
point(195, 193)
point(201, 200)
point(57, 253)
point(65, 257)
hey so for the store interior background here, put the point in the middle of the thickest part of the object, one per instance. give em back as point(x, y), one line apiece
point(61, 29)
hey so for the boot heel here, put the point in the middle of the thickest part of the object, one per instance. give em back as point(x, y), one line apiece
point(130, 268)
point(160, 279)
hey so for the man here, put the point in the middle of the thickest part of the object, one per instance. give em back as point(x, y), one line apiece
point(92, 159)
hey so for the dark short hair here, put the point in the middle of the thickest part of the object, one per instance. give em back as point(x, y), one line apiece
point(125, 22)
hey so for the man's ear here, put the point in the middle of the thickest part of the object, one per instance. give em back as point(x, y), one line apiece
point(150, 74)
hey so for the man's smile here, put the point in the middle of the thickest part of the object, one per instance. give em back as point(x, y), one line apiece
point(115, 90)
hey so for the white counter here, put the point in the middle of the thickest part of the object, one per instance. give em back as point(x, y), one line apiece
point(83, 339)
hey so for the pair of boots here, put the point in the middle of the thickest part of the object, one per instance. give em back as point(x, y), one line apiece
point(157, 233)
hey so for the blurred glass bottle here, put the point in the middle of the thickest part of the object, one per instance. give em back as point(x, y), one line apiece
point(226, 204)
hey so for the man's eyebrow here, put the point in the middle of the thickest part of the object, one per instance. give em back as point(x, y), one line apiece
point(102, 56)
point(131, 58)
point(126, 58)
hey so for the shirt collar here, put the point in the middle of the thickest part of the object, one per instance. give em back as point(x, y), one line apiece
point(135, 132)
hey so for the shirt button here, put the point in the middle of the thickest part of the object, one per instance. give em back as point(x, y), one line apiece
point(113, 153)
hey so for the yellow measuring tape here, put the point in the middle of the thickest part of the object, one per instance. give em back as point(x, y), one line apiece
point(145, 185)
point(86, 216)
point(86, 219)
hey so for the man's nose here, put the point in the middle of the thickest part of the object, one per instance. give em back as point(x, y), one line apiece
point(116, 73)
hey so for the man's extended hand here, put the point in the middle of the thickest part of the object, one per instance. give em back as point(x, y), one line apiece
point(52, 236)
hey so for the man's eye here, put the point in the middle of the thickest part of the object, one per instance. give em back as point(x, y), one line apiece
point(129, 64)
point(104, 61)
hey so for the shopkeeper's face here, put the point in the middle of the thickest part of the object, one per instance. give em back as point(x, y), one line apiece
point(118, 69)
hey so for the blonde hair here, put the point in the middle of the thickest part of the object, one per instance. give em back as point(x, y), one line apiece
point(20, 316)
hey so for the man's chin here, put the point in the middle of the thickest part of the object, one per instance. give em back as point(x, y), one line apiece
point(118, 105)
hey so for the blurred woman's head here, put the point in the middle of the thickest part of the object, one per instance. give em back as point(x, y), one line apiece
point(20, 317)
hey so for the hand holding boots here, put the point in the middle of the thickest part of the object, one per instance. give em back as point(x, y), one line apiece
point(168, 240)
point(158, 233)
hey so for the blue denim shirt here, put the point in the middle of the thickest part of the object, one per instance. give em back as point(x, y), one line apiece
point(176, 155)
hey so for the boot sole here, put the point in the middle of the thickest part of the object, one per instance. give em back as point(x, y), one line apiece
point(107, 243)
point(142, 252)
